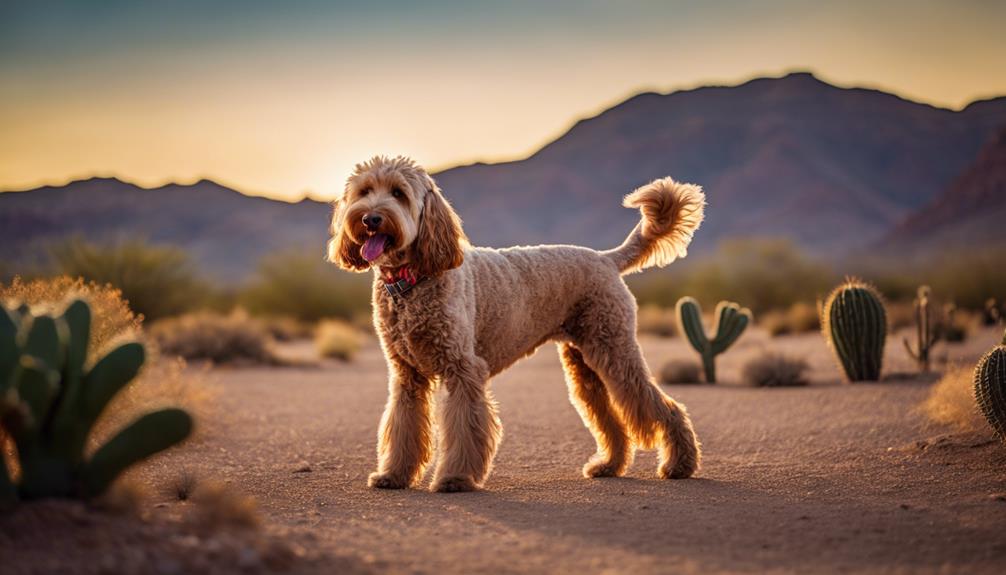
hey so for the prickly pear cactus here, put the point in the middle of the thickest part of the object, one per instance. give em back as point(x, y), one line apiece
point(990, 388)
point(730, 320)
point(854, 322)
point(49, 403)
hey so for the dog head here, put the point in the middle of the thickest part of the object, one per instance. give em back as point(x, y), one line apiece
point(392, 214)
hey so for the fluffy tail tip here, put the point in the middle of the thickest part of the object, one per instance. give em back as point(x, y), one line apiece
point(672, 212)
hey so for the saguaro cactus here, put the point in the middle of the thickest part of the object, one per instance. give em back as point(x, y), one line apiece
point(854, 322)
point(926, 334)
point(990, 388)
point(730, 320)
point(49, 403)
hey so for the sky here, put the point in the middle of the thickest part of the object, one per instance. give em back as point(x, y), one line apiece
point(282, 98)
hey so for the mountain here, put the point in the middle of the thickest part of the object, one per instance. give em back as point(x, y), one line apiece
point(834, 169)
point(225, 231)
point(969, 213)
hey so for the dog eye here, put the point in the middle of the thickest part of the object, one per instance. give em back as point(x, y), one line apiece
point(364, 191)
point(398, 194)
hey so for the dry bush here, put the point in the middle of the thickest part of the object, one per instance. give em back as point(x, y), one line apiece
point(110, 314)
point(677, 371)
point(774, 370)
point(285, 328)
point(657, 320)
point(338, 340)
point(218, 506)
point(223, 339)
point(801, 317)
point(952, 401)
point(307, 288)
point(157, 281)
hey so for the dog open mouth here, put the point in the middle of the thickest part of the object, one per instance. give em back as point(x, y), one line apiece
point(374, 246)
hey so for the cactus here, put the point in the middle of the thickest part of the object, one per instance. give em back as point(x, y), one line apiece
point(990, 388)
point(854, 322)
point(926, 334)
point(49, 403)
point(731, 321)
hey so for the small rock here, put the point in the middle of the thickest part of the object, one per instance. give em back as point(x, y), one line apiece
point(998, 497)
point(303, 467)
point(905, 506)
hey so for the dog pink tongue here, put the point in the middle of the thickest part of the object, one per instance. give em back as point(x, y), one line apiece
point(374, 247)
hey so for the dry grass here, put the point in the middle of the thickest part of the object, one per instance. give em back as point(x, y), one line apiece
point(657, 320)
point(952, 401)
point(223, 339)
point(801, 317)
point(774, 369)
point(337, 340)
point(286, 328)
point(111, 317)
point(678, 371)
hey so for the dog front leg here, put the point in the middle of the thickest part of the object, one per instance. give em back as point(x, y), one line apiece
point(470, 431)
point(405, 438)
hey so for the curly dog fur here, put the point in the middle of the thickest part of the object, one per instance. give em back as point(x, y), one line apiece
point(475, 311)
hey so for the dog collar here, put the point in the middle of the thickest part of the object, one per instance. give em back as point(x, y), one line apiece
point(400, 282)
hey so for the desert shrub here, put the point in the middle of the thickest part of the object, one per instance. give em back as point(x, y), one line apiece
point(677, 371)
point(337, 339)
point(952, 402)
point(305, 288)
point(156, 281)
point(656, 320)
point(765, 274)
point(801, 317)
point(284, 328)
point(111, 317)
point(233, 338)
point(774, 369)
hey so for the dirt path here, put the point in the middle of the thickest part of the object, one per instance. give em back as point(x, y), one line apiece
point(827, 478)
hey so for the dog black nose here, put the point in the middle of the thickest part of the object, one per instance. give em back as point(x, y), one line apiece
point(372, 221)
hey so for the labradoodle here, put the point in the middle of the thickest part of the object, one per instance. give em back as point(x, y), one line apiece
point(456, 314)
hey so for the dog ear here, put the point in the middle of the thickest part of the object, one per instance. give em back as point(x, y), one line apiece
point(439, 244)
point(342, 250)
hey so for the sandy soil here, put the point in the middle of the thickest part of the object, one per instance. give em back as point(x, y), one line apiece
point(822, 479)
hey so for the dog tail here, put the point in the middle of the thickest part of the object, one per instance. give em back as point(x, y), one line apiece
point(671, 212)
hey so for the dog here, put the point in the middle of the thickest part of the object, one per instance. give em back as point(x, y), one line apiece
point(453, 314)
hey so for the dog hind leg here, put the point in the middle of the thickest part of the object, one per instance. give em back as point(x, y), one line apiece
point(588, 394)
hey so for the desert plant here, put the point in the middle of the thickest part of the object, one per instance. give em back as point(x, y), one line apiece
point(730, 320)
point(49, 404)
point(990, 387)
point(305, 288)
point(953, 330)
point(233, 338)
point(337, 339)
point(798, 318)
point(991, 314)
point(926, 332)
point(157, 281)
point(774, 370)
point(854, 323)
point(951, 400)
point(678, 371)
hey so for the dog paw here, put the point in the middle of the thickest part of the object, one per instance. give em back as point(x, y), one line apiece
point(454, 484)
point(601, 468)
point(677, 470)
point(386, 481)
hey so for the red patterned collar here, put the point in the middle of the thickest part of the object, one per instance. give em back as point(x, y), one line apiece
point(400, 281)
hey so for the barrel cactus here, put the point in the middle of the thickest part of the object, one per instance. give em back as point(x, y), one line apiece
point(990, 388)
point(730, 320)
point(854, 322)
point(49, 404)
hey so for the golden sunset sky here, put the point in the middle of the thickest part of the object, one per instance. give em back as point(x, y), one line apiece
point(282, 98)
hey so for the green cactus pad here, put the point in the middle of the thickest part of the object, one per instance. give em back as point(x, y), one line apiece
point(731, 321)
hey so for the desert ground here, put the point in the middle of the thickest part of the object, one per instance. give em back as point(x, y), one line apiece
point(828, 478)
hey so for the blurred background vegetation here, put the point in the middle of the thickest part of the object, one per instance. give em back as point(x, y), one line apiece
point(291, 290)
